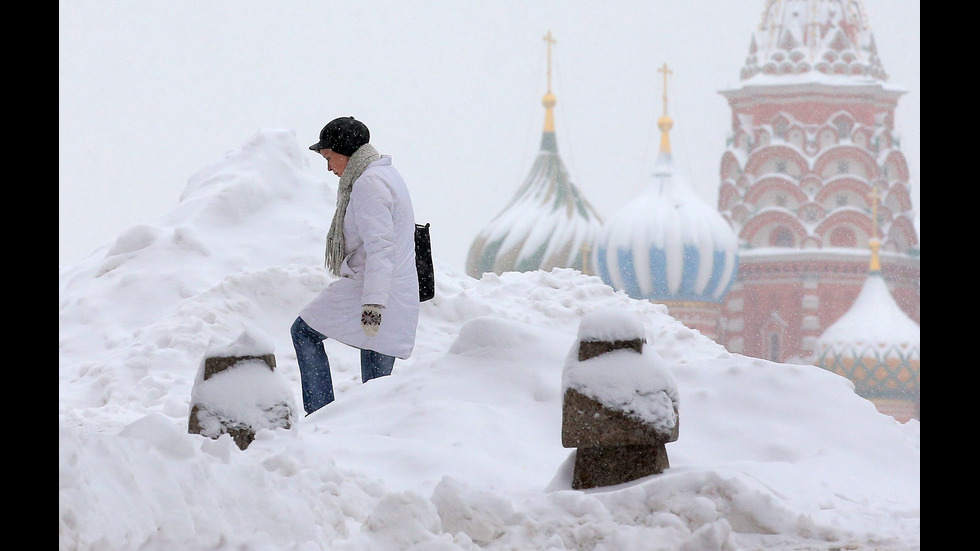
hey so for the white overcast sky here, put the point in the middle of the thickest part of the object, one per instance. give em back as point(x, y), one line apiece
point(152, 92)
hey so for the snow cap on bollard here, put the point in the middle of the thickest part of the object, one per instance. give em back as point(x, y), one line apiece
point(611, 324)
point(608, 329)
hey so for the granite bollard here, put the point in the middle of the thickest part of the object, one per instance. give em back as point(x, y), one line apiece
point(237, 393)
point(620, 404)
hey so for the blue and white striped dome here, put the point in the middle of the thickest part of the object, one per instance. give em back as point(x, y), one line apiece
point(667, 244)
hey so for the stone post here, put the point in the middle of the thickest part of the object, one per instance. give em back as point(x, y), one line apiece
point(237, 393)
point(613, 445)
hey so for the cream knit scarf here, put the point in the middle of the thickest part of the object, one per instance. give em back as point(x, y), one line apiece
point(335, 253)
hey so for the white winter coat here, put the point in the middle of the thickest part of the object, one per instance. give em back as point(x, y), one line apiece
point(379, 267)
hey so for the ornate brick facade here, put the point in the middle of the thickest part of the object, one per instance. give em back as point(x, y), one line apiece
point(812, 143)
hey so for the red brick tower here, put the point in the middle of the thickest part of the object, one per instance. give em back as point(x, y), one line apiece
point(812, 134)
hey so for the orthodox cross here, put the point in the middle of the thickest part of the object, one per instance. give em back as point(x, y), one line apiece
point(666, 72)
point(550, 40)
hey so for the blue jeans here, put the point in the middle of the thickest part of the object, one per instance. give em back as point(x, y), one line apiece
point(314, 367)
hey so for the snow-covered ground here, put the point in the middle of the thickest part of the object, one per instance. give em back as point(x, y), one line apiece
point(460, 448)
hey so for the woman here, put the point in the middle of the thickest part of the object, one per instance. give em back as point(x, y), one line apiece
point(374, 303)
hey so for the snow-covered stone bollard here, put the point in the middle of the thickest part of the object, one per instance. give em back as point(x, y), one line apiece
point(237, 392)
point(619, 406)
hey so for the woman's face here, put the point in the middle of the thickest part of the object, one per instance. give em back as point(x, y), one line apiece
point(336, 162)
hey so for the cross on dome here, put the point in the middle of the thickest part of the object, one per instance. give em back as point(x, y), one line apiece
point(665, 123)
point(666, 72)
point(550, 40)
point(549, 100)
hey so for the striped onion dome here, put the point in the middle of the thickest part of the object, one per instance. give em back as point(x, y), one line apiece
point(667, 244)
point(548, 224)
point(875, 343)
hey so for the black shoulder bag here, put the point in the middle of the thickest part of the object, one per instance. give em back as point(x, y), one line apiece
point(423, 262)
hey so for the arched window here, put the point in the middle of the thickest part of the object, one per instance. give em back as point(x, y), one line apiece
point(843, 237)
point(781, 237)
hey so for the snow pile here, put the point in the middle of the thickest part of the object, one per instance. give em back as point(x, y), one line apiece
point(460, 448)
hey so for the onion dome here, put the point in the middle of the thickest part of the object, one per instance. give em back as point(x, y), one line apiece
point(668, 244)
point(875, 344)
point(548, 224)
point(813, 37)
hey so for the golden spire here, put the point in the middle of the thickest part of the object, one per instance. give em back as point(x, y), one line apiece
point(549, 100)
point(665, 123)
point(874, 243)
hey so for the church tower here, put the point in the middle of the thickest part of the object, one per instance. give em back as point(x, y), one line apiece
point(669, 246)
point(548, 224)
point(813, 132)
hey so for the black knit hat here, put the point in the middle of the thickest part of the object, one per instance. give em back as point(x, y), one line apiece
point(343, 135)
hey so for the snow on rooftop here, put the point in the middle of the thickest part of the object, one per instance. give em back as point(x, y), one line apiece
point(873, 320)
point(668, 243)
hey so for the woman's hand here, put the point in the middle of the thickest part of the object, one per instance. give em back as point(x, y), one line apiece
point(371, 318)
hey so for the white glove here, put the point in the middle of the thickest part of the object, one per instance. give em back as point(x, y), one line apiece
point(371, 319)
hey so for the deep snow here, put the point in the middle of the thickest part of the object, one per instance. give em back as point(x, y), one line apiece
point(460, 447)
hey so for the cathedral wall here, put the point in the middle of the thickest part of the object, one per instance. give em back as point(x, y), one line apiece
point(780, 305)
point(812, 108)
